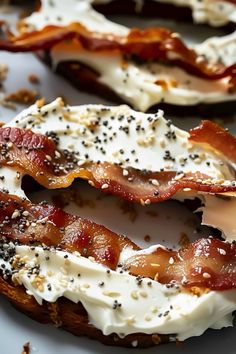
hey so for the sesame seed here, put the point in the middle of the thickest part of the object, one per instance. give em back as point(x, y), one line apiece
point(222, 251)
point(134, 295)
point(134, 343)
point(130, 320)
point(155, 182)
point(154, 309)
point(142, 202)
point(81, 162)
point(179, 176)
point(162, 143)
point(48, 157)
point(143, 293)
point(206, 275)
point(25, 213)
point(86, 286)
point(111, 293)
point(15, 214)
point(147, 202)
point(57, 154)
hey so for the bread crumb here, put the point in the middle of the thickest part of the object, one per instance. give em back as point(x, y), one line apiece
point(3, 72)
point(3, 76)
point(26, 348)
point(23, 96)
point(7, 104)
point(33, 79)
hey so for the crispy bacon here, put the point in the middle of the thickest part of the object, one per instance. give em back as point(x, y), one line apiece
point(149, 44)
point(216, 137)
point(44, 224)
point(207, 263)
point(37, 156)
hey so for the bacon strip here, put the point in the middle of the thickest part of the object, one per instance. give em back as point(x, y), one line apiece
point(149, 44)
point(207, 263)
point(44, 224)
point(37, 155)
point(216, 137)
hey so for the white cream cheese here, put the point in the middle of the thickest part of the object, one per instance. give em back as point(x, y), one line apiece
point(99, 133)
point(189, 315)
point(54, 12)
point(3, 76)
point(219, 49)
point(122, 135)
point(216, 13)
point(144, 85)
point(114, 301)
point(140, 85)
point(11, 180)
point(3, 72)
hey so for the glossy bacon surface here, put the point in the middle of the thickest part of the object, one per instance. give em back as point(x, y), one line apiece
point(207, 263)
point(149, 44)
point(45, 224)
point(216, 137)
point(37, 156)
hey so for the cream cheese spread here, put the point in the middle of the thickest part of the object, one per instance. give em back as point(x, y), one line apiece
point(11, 180)
point(123, 136)
point(141, 85)
point(116, 302)
point(100, 133)
point(56, 13)
point(144, 85)
point(219, 49)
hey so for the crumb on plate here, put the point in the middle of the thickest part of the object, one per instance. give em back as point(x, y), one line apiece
point(33, 79)
point(26, 348)
point(23, 96)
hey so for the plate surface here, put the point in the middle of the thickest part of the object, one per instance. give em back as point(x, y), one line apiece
point(164, 223)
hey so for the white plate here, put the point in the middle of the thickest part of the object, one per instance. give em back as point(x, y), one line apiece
point(165, 227)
